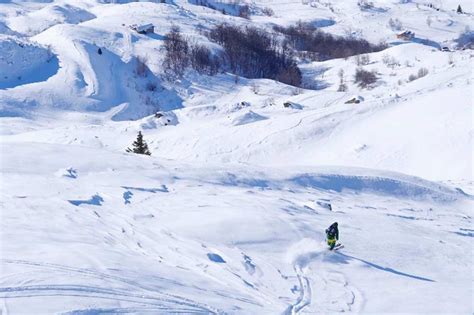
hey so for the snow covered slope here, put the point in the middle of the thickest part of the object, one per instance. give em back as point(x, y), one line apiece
point(227, 216)
point(89, 231)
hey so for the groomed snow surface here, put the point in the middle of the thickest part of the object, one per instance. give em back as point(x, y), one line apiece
point(227, 216)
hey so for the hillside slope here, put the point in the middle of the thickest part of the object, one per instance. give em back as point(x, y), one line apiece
point(137, 235)
point(227, 216)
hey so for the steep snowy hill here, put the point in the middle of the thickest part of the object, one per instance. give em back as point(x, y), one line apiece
point(227, 216)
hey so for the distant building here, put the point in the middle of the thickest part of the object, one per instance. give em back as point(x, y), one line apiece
point(143, 29)
point(406, 35)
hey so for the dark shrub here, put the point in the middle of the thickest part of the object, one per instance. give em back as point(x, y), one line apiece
point(365, 78)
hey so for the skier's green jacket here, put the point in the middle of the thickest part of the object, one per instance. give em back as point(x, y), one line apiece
point(332, 234)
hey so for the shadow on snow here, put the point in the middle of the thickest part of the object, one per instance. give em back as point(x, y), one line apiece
point(95, 200)
point(344, 259)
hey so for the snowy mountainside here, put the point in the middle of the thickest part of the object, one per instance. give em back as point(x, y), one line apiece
point(227, 216)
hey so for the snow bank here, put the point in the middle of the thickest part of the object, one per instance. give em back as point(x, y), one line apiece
point(24, 62)
point(36, 22)
point(247, 118)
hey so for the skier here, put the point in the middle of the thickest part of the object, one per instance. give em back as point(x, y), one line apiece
point(332, 235)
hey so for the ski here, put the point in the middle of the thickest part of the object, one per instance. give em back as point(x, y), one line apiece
point(337, 247)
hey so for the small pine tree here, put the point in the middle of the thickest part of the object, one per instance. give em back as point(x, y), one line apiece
point(139, 146)
point(459, 10)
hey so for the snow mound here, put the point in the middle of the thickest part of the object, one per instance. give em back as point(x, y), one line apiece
point(23, 62)
point(348, 180)
point(40, 20)
point(386, 184)
point(159, 119)
point(247, 118)
point(235, 107)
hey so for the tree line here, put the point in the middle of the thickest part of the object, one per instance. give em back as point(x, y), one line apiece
point(304, 37)
point(256, 53)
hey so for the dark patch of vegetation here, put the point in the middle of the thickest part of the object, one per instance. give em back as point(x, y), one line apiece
point(365, 78)
point(203, 61)
point(244, 12)
point(254, 53)
point(305, 37)
point(177, 50)
point(180, 54)
point(421, 73)
point(268, 11)
point(395, 24)
point(466, 39)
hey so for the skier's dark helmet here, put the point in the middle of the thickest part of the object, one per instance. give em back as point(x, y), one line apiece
point(335, 223)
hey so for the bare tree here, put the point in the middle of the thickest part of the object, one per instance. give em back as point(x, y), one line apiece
point(429, 21)
point(254, 53)
point(342, 85)
point(176, 58)
point(395, 24)
point(362, 60)
point(305, 37)
point(268, 11)
point(422, 72)
point(202, 60)
point(364, 78)
point(390, 61)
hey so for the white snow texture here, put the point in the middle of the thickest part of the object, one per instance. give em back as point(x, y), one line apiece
point(228, 214)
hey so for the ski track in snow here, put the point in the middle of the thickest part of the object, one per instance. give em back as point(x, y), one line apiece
point(322, 291)
point(305, 292)
point(155, 301)
point(85, 241)
point(336, 294)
